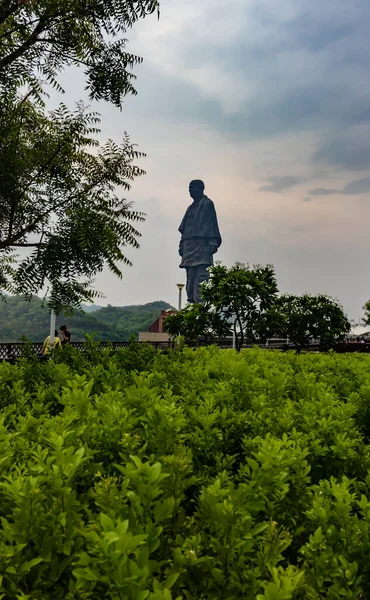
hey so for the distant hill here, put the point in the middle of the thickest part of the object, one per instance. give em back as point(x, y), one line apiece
point(110, 323)
point(90, 308)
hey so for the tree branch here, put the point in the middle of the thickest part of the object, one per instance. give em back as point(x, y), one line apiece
point(9, 242)
point(61, 53)
point(17, 28)
point(30, 41)
point(15, 200)
point(5, 14)
point(27, 245)
point(241, 332)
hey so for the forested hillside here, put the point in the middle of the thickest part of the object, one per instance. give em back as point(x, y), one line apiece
point(115, 323)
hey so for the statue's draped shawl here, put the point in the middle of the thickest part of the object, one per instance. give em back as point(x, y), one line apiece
point(203, 222)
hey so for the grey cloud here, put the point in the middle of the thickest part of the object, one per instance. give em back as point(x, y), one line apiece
point(359, 186)
point(298, 228)
point(345, 152)
point(296, 110)
point(268, 113)
point(352, 188)
point(280, 100)
point(280, 184)
point(171, 99)
point(317, 34)
point(323, 192)
point(311, 29)
point(334, 92)
point(263, 116)
point(307, 199)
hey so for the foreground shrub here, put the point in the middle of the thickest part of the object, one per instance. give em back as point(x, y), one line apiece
point(198, 475)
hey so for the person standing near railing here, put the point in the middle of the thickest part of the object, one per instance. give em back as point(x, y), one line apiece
point(66, 335)
point(46, 346)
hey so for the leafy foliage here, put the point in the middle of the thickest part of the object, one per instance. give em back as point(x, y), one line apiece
point(63, 218)
point(195, 474)
point(47, 36)
point(366, 309)
point(109, 323)
point(59, 201)
point(197, 321)
point(247, 300)
point(238, 298)
point(305, 318)
point(243, 295)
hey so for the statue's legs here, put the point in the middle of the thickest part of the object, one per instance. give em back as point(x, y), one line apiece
point(190, 284)
point(201, 274)
point(194, 278)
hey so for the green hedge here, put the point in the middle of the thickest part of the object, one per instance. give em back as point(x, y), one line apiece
point(197, 475)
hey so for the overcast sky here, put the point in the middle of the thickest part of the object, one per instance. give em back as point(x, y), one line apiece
point(268, 102)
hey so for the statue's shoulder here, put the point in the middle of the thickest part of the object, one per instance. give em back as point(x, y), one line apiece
point(208, 204)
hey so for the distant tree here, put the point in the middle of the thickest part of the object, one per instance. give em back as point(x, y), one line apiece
point(236, 298)
point(197, 322)
point(304, 319)
point(241, 295)
point(366, 308)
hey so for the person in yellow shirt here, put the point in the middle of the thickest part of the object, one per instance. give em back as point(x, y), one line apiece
point(46, 346)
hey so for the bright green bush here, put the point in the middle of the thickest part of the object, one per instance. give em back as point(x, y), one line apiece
point(198, 475)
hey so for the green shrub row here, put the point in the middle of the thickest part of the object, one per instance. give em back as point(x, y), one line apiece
point(196, 474)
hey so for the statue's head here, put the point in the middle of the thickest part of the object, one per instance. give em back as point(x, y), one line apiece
point(196, 189)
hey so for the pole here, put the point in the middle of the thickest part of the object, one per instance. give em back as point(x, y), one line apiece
point(52, 329)
point(180, 287)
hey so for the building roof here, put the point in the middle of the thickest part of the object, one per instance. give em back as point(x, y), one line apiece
point(158, 325)
point(360, 330)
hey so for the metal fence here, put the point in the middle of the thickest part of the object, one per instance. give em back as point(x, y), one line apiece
point(13, 350)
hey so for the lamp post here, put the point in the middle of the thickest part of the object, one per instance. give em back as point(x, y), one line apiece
point(52, 329)
point(180, 287)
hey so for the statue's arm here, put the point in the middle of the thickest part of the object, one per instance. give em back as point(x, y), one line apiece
point(213, 244)
point(215, 241)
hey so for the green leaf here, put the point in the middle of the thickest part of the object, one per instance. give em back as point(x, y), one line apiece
point(171, 580)
point(106, 523)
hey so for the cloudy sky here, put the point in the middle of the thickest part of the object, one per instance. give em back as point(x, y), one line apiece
point(268, 101)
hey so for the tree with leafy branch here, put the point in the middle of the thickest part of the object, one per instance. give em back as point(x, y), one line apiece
point(197, 322)
point(59, 203)
point(63, 218)
point(306, 318)
point(366, 309)
point(236, 298)
point(243, 295)
point(40, 38)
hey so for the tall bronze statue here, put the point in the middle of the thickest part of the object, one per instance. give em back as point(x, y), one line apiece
point(200, 240)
